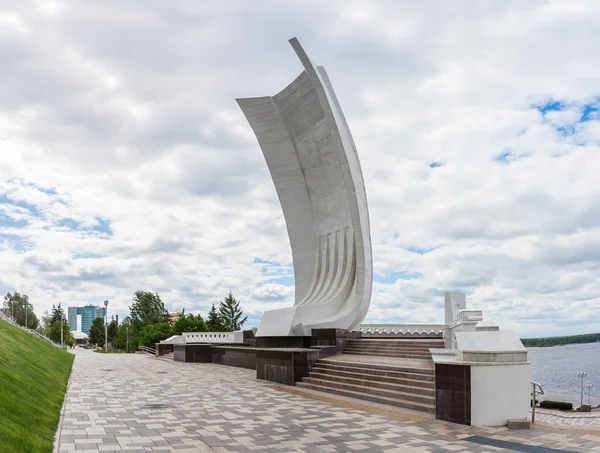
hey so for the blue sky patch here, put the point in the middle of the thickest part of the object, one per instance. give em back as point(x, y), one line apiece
point(6, 221)
point(419, 250)
point(503, 158)
point(395, 276)
point(589, 112)
point(5, 199)
point(19, 243)
point(284, 280)
point(278, 273)
point(435, 164)
point(69, 223)
point(103, 226)
point(79, 256)
point(550, 106)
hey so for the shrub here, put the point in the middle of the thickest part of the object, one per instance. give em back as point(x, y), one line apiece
point(560, 405)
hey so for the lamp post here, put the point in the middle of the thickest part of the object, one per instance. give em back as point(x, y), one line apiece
point(589, 389)
point(105, 326)
point(581, 375)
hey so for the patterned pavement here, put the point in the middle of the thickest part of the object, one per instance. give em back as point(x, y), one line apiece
point(213, 408)
point(587, 420)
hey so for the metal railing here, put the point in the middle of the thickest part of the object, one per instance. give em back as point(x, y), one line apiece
point(147, 349)
point(536, 388)
point(31, 331)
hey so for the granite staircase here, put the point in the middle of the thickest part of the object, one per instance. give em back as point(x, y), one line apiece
point(404, 348)
point(394, 372)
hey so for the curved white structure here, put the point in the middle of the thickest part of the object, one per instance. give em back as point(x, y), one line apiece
point(314, 164)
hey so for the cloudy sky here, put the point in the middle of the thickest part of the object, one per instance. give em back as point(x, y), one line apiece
point(126, 164)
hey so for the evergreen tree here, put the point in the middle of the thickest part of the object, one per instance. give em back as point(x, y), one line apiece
point(214, 322)
point(57, 313)
point(230, 314)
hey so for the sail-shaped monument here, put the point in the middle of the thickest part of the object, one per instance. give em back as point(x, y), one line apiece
point(314, 164)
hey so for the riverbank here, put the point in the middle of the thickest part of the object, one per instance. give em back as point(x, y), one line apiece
point(556, 369)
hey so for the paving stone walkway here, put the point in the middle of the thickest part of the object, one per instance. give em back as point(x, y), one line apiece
point(589, 420)
point(213, 408)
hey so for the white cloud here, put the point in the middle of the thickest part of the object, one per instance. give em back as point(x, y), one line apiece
point(122, 148)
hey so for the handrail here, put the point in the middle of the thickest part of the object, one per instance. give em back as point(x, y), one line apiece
point(147, 349)
point(31, 331)
point(535, 386)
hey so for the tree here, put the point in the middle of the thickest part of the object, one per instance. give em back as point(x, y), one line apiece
point(46, 322)
point(147, 308)
point(57, 313)
point(54, 332)
point(189, 323)
point(230, 314)
point(112, 330)
point(125, 338)
point(214, 322)
point(20, 309)
point(97, 332)
point(154, 333)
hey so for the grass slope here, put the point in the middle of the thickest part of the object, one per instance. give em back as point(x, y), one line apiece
point(33, 382)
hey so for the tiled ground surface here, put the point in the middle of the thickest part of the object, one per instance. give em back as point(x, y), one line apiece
point(214, 408)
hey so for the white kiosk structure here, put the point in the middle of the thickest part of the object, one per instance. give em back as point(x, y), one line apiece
point(316, 171)
point(483, 374)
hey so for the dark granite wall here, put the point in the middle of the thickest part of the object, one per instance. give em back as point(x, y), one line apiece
point(284, 367)
point(162, 349)
point(249, 338)
point(283, 342)
point(238, 357)
point(343, 336)
point(198, 353)
point(453, 393)
point(323, 337)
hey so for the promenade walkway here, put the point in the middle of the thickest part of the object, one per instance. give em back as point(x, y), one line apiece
point(138, 404)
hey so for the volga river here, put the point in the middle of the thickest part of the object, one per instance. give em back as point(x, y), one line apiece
point(556, 369)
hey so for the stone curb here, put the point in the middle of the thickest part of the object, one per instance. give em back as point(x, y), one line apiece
point(62, 411)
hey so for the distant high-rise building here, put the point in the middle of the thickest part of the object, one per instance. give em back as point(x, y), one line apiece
point(81, 318)
point(72, 317)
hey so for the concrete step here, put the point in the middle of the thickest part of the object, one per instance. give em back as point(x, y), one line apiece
point(388, 354)
point(398, 402)
point(387, 350)
point(419, 343)
point(412, 380)
point(375, 384)
point(397, 394)
point(390, 347)
point(381, 370)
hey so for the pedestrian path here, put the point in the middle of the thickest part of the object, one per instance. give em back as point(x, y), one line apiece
point(588, 420)
point(134, 403)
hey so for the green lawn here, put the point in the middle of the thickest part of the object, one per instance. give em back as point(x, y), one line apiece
point(33, 382)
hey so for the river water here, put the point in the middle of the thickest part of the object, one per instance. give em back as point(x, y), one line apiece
point(556, 369)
